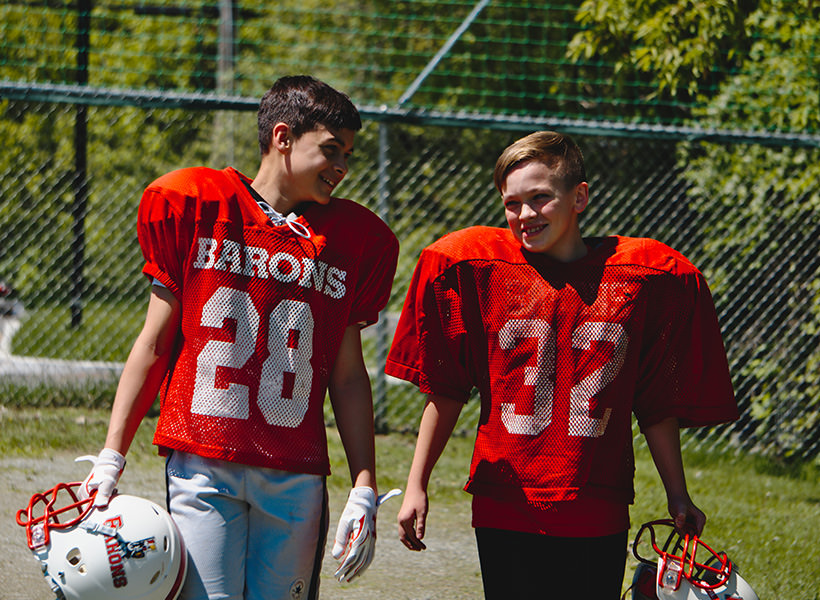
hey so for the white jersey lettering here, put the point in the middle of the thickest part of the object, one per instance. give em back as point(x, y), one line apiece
point(230, 259)
point(206, 256)
point(251, 261)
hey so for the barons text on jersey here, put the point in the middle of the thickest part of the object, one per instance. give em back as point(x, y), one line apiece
point(251, 261)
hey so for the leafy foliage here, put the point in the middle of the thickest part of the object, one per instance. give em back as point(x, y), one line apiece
point(773, 192)
point(681, 44)
point(765, 200)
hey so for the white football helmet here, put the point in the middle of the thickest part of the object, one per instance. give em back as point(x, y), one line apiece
point(679, 575)
point(130, 550)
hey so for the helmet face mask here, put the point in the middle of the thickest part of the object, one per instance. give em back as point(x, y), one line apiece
point(130, 550)
point(59, 505)
point(686, 569)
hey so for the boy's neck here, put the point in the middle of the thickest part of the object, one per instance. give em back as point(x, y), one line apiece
point(568, 250)
point(266, 185)
point(576, 251)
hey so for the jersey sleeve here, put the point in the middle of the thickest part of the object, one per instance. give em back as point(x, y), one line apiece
point(375, 277)
point(429, 347)
point(164, 232)
point(685, 372)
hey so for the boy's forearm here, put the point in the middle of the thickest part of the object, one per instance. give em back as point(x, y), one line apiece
point(353, 409)
point(352, 401)
point(144, 369)
point(664, 443)
point(437, 423)
point(663, 439)
point(137, 389)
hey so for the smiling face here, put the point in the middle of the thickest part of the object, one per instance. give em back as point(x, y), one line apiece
point(542, 211)
point(315, 163)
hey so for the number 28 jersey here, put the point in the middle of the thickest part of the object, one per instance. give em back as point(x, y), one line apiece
point(263, 312)
point(562, 355)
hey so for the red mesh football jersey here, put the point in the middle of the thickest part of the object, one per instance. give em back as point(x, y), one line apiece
point(263, 314)
point(561, 355)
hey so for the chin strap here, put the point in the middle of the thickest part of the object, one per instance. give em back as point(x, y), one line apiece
point(100, 529)
point(278, 219)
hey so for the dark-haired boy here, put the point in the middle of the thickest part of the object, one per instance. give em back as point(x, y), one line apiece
point(260, 289)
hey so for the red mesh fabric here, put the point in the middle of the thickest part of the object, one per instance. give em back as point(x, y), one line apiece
point(263, 314)
point(562, 354)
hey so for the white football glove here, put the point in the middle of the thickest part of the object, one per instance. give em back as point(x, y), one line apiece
point(104, 476)
point(356, 535)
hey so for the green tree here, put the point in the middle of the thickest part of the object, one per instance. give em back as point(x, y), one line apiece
point(772, 197)
point(762, 200)
point(684, 47)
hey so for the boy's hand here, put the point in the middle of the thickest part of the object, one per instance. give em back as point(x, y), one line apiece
point(412, 518)
point(688, 518)
point(356, 534)
point(105, 474)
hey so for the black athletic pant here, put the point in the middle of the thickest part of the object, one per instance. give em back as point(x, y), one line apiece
point(527, 565)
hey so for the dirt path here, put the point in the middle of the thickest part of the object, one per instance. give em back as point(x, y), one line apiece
point(447, 569)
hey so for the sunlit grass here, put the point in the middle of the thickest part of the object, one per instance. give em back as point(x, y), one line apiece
point(106, 332)
point(765, 516)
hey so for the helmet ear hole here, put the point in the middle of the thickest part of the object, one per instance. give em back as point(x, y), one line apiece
point(74, 557)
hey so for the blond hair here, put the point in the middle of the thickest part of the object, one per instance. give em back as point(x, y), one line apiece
point(556, 150)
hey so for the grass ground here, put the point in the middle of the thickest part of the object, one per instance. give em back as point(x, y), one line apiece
point(765, 517)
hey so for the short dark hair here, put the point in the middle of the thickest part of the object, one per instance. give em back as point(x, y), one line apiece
point(304, 103)
point(557, 150)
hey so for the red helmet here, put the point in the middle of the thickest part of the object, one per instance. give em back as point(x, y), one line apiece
point(679, 574)
point(129, 550)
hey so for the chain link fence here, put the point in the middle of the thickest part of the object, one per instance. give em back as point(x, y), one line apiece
point(99, 98)
point(424, 181)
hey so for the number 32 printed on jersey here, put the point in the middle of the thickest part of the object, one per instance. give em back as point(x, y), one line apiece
point(541, 376)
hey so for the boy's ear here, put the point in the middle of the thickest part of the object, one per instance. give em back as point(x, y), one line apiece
point(282, 138)
point(581, 196)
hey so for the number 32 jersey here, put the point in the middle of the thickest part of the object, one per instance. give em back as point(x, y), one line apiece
point(264, 310)
point(562, 354)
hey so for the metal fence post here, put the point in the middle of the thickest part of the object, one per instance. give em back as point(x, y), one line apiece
point(382, 327)
point(80, 183)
